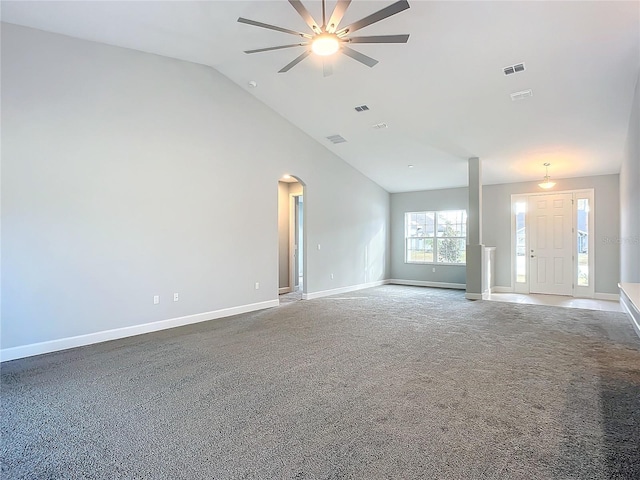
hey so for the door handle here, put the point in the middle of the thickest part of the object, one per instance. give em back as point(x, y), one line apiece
point(533, 256)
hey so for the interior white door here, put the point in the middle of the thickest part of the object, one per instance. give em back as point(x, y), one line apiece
point(551, 246)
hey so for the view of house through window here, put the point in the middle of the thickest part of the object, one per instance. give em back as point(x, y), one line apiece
point(521, 242)
point(436, 237)
point(583, 242)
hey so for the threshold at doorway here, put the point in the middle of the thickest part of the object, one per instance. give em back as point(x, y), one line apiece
point(557, 301)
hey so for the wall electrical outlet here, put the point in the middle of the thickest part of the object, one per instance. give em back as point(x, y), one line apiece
point(156, 299)
point(332, 276)
point(257, 285)
point(176, 297)
point(433, 269)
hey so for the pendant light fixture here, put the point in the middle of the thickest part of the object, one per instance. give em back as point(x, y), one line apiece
point(546, 182)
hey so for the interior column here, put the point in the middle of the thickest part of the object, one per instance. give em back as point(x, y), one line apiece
point(475, 248)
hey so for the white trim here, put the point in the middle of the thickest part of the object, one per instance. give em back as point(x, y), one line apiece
point(577, 291)
point(335, 291)
point(486, 295)
point(292, 241)
point(547, 192)
point(519, 287)
point(424, 283)
point(497, 289)
point(293, 253)
point(106, 335)
point(284, 290)
point(434, 238)
point(475, 296)
point(588, 291)
point(634, 315)
point(606, 296)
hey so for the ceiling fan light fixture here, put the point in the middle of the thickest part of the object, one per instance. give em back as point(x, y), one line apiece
point(546, 181)
point(325, 44)
point(330, 38)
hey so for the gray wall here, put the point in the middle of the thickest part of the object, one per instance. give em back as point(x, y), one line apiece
point(630, 198)
point(497, 225)
point(127, 175)
point(496, 228)
point(283, 234)
point(445, 199)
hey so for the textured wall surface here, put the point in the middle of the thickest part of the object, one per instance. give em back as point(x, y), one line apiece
point(127, 175)
point(630, 198)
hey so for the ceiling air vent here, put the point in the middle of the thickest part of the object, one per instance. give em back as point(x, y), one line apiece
point(511, 69)
point(361, 108)
point(378, 126)
point(336, 139)
point(521, 95)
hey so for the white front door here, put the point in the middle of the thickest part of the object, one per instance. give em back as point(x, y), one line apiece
point(551, 246)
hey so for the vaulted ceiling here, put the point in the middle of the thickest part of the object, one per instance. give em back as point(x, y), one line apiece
point(443, 95)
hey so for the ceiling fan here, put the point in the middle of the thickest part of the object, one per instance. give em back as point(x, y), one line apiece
point(328, 39)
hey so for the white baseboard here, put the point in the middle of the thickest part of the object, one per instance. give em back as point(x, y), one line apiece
point(106, 335)
point(486, 295)
point(284, 290)
point(632, 312)
point(607, 296)
point(337, 291)
point(498, 289)
point(634, 316)
point(475, 296)
point(423, 283)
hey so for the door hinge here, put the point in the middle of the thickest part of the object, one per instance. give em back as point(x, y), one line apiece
point(572, 201)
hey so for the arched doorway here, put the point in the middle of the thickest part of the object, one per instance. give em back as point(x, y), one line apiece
point(291, 239)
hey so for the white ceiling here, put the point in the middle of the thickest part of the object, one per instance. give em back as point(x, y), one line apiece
point(443, 94)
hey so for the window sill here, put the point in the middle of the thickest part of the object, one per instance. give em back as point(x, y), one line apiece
point(437, 264)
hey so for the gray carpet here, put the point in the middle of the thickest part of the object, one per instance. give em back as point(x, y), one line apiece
point(391, 382)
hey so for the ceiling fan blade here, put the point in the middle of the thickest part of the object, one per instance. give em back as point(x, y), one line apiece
point(273, 27)
point(306, 16)
point(327, 67)
point(361, 57)
point(376, 17)
point(379, 39)
point(324, 14)
point(258, 50)
point(296, 61)
point(336, 16)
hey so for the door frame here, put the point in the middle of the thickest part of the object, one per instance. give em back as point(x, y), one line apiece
point(293, 231)
point(286, 179)
point(577, 290)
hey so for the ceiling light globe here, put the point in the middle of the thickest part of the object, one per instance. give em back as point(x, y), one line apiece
point(547, 184)
point(325, 44)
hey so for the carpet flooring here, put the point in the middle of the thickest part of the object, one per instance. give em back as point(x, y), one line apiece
point(390, 382)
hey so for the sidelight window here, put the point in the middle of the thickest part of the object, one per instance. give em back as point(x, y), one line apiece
point(582, 237)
